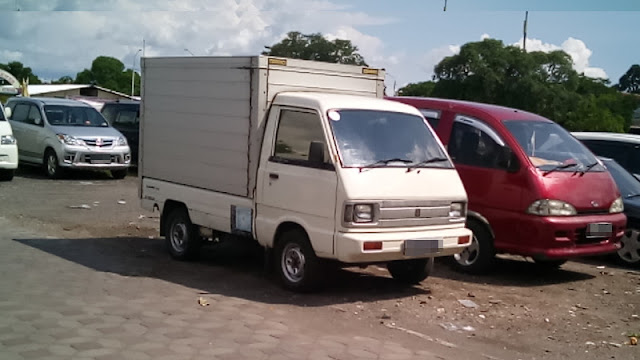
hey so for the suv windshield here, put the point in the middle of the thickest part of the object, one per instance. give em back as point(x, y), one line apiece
point(551, 148)
point(368, 138)
point(627, 183)
point(62, 115)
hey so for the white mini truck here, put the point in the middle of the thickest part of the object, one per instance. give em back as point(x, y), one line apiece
point(303, 157)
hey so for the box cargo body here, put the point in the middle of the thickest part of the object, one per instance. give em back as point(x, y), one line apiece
point(204, 116)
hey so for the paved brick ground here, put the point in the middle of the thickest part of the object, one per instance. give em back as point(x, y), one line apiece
point(81, 299)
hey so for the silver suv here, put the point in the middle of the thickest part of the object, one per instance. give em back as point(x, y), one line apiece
point(61, 134)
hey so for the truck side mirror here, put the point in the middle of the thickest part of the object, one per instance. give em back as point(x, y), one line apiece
point(316, 152)
point(508, 160)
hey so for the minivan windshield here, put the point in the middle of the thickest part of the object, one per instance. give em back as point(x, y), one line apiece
point(63, 115)
point(369, 138)
point(551, 148)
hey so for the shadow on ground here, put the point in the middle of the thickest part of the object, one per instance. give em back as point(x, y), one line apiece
point(37, 173)
point(229, 269)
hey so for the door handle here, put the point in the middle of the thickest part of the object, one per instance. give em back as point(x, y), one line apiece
point(274, 176)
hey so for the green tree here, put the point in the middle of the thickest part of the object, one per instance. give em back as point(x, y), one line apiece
point(63, 80)
point(423, 89)
point(107, 72)
point(630, 81)
point(316, 47)
point(21, 72)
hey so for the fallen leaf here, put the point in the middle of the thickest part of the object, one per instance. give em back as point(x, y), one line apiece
point(468, 303)
point(83, 206)
point(633, 340)
point(202, 301)
point(121, 202)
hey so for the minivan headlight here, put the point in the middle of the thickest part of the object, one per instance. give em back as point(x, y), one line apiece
point(617, 206)
point(122, 141)
point(457, 210)
point(548, 207)
point(69, 140)
point(7, 140)
point(360, 213)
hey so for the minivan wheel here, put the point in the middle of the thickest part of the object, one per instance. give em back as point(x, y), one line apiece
point(51, 165)
point(119, 174)
point(411, 271)
point(182, 238)
point(298, 267)
point(629, 253)
point(479, 256)
point(6, 174)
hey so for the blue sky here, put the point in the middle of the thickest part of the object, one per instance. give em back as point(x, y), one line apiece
point(407, 37)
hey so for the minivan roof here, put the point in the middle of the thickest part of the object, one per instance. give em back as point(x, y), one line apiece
point(471, 108)
point(50, 101)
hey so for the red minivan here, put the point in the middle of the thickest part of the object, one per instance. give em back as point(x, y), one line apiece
point(534, 190)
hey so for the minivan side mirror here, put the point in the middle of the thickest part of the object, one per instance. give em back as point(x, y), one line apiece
point(508, 160)
point(316, 153)
point(7, 112)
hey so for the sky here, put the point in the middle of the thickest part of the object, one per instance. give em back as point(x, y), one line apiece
point(406, 37)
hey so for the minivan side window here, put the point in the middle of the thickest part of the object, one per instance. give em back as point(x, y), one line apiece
point(20, 112)
point(469, 145)
point(296, 131)
point(618, 152)
point(432, 116)
point(34, 117)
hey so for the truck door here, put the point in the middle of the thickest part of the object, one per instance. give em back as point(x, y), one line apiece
point(293, 187)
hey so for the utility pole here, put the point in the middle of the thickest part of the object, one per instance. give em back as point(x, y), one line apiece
point(524, 38)
point(133, 70)
point(445, 5)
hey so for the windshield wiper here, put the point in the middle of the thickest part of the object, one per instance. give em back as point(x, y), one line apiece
point(559, 167)
point(587, 168)
point(380, 163)
point(428, 161)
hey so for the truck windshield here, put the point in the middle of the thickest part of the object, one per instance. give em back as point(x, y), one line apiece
point(369, 138)
point(62, 115)
point(551, 148)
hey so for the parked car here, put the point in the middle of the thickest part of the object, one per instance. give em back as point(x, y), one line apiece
point(623, 148)
point(629, 186)
point(8, 149)
point(124, 115)
point(61, 134)
point(534, 190)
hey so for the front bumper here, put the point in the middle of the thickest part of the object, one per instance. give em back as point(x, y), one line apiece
point(8, 157)
point(350, 246)
point(77, 157)
point(548, 238)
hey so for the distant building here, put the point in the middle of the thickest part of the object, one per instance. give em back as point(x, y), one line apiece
point(72, 91)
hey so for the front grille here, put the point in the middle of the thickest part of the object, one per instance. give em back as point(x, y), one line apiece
point(407, 214)
point(582, 239)
point(98, 142)
point(102, 159)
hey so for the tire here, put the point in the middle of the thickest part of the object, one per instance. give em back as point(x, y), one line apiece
point(6, 174)
point(297, 265)
point(479, 256)
point(629, 253)
point(549, 265)
point(51, 165)
point(119, 174)
point(411, 271)
point(182, 238)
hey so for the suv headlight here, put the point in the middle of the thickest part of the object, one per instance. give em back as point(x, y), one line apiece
point(548, 207)
point(69, 140)
point(458, 210)
point(360, 213)
point(122, 141)
point(617, 206)
point(7, 140)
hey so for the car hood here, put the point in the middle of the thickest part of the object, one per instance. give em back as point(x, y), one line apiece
point(87, 131)
point(594, 191)
point(632, 208)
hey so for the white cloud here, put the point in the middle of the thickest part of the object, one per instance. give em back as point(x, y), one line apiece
point(485, 36)
point(434, 56)
point(576, 48)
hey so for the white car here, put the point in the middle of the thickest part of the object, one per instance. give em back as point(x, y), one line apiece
point(8, 149)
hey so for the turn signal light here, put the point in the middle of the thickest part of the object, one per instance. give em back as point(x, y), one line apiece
point(372, 245)
point(464, 240)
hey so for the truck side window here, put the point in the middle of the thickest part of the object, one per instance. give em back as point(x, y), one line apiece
point(469, 145)
point(296, 131)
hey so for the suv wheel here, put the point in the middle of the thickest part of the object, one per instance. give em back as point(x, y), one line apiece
point(51, 165)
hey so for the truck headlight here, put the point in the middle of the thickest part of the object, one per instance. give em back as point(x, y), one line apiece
point(617, 206)
point(457, 210)
point(548, 207)
point(360, 213)
point(69, 140)
point(122, 141)
point(7, 140)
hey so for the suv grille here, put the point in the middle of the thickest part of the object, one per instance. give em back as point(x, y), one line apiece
point(99, 142)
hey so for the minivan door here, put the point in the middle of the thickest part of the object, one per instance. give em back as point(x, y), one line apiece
point(294, 187)
point(27, 123)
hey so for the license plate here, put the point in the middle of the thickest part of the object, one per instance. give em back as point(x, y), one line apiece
point(599, 230)
point(419, 247)
point(100, 158)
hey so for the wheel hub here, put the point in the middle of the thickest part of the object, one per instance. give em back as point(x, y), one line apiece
point(178, 236)
point(630, 251)
point(469, 255)
point(293, 262)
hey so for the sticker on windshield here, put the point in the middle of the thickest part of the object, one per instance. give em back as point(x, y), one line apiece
point(334, 115)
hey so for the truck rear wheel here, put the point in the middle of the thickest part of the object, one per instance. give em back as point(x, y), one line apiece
point(298, 266)
point(183, 240)
point(479, 256)
point(411, 271)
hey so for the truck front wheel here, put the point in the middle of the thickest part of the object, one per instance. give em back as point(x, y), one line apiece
point(298, 266)
point(183, 240)
point(411, 271)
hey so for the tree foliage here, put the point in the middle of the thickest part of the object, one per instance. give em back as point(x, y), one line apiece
point(630, 81)
point(20, 72)
point(316, 47)
point(110, 73)
point(543, 83)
